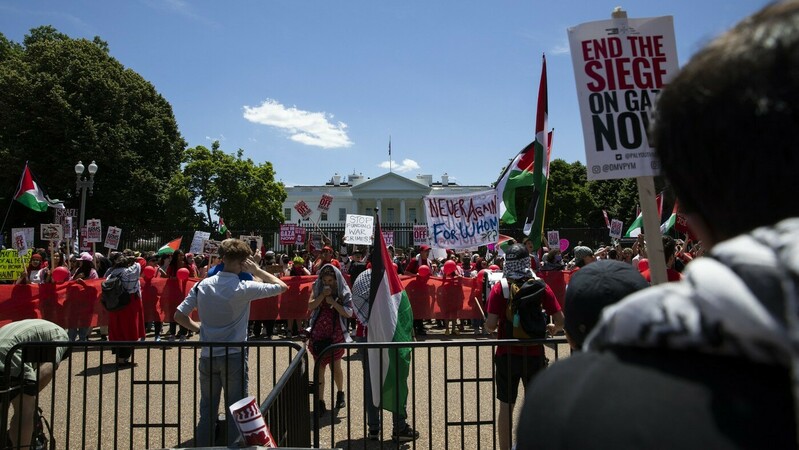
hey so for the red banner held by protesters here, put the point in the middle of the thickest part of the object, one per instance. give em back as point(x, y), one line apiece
point(76, 304)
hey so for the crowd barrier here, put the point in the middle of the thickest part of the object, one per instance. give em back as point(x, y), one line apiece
point(92, 403)
point(76, 304)
point(451, 394)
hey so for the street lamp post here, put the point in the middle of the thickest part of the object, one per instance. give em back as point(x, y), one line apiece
point(84, 184)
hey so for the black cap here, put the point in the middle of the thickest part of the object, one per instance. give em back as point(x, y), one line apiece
point(591, 289)
point(516, 252)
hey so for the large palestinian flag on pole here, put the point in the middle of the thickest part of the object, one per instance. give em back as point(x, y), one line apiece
point(31, 194)
point(390, 320)
point(530, 168)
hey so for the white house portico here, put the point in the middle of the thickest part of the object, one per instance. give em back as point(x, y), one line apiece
point(398, 199)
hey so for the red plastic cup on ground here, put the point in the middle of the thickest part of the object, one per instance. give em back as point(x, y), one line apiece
point(250, 422)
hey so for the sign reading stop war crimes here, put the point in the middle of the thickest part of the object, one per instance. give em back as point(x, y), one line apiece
point(358, 229)
point(620, 67)
point(462, 221)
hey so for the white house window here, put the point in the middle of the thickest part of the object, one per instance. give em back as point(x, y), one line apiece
point(368, 211)
point(287, 213)
point(390, 215)
point(323, 217)
point(342, 214)
point(412, 214)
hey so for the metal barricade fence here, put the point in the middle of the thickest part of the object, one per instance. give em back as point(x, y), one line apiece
point(451, 398)
point(92, 402)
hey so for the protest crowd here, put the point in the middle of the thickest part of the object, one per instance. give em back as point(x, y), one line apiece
point(707, 360)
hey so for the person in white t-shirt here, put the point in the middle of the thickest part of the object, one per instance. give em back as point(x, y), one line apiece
point(223, 304)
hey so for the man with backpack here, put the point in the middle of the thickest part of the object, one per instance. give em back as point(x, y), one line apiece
point(514, 309)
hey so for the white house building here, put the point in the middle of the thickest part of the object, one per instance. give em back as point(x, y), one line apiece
point(398, 199)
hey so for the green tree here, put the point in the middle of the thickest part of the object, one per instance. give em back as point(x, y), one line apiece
point(570, 202)
point(245, 194)
point(64, 100)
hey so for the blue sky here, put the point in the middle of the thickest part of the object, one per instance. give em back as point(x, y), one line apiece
point(317, 87)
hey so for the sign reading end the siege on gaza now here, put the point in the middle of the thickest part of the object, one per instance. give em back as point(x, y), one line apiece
point(462, 221)
point(620, 67)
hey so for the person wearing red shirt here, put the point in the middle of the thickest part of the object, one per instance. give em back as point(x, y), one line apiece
point(516, 363)
point(669, 252)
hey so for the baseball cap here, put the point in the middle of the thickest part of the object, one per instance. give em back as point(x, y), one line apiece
point(424, 247)
point(85, 256)
point(591, 289)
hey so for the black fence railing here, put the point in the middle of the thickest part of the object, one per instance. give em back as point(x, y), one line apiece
point(287, 417)
point(94, 403)
point(451, 399)
point(403, 236)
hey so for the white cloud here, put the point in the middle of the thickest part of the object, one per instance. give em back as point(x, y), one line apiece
point(305, 127)
point(560, 49)
point(407, 165)
point(213, 139)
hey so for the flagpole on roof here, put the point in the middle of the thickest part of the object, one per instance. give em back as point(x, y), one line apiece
point(3, 227)
point(390, 168)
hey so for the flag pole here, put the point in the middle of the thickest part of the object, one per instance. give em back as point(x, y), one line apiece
point(390, 165)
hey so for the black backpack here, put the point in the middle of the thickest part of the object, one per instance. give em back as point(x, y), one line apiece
point(114, 296)
point(524, 314)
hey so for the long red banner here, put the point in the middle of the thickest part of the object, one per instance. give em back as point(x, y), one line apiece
point(76, 304)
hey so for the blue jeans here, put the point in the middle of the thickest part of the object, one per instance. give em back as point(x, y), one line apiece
point(80, 334)
point(217, 372)
point(373, 412)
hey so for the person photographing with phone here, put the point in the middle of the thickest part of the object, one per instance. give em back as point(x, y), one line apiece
point(330, 306)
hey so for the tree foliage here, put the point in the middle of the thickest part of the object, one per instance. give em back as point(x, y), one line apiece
point(63, 100)
point(245, 194)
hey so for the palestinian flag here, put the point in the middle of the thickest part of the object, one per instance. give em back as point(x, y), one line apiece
point(638, 223)
point(222, 227)
point(530, 168)
point(390, 320)
point(32, 196)
point(669, 223)
point(170, 247)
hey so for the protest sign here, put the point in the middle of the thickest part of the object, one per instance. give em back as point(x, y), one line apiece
point(316, 240)
point(94, 231)
point(620, 67)
point(553, 237)
point(68, 231)
point(255, 242)
point(388, 236)
point(303, 209)
point(211, 247)
point(29, 233)
point(462, 221)
point(85, 245)
point(12, 264)
point(112, 237)
point(19, 243)
point(615, 228)
point(51, 232)
point(358, 229)
point(197, 241)
point(324, 203)
point(287, 234)
point(299, 235)
point(420, 235)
